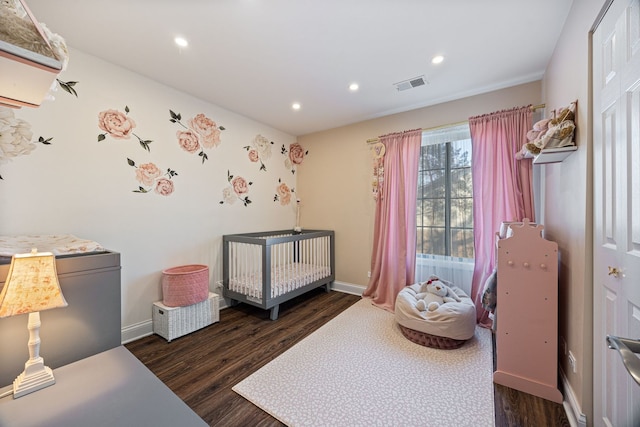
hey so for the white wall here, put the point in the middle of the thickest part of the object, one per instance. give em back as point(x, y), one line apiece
point(82, 186)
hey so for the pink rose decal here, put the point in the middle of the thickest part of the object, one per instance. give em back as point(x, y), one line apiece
point(283, 193)
point(206, 129)
point(236, 190)
point(296, 153)
point(116, 124)
point(201, 133)
point(149, 175)
point(253, 156)
point(188, 141)
point(259, 150)
point(295, 156)
point(119, 126)
point(164, 186)
point(263, 145)
point(239, 185)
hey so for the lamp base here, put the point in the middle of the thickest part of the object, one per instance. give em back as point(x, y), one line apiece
point(34, 377)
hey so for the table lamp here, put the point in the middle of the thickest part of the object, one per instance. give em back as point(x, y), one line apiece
point(32, 286)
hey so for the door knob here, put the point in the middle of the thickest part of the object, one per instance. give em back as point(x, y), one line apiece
point(613, 271)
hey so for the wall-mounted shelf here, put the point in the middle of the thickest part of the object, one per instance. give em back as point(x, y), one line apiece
point(27, 75)
point(553, 155)
point(25, 82)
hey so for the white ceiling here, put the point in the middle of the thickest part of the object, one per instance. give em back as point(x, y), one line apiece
point(257, 57)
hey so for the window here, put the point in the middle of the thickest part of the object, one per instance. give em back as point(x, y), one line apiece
point(445, 195)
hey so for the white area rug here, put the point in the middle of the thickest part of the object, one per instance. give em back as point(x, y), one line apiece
point(359, 370)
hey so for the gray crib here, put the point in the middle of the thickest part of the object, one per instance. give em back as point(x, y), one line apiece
point(268, 268)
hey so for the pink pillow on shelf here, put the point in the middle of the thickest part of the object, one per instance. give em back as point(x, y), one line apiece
point(185, 285)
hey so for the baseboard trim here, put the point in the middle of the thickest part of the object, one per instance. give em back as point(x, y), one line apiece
point(143, 329)
point(136, 331)
point(348, 288)
point(571, 407)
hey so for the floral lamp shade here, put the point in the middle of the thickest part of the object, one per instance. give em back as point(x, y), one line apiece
point(32, 285)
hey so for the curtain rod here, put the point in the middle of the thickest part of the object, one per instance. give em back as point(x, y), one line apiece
point(374, 140)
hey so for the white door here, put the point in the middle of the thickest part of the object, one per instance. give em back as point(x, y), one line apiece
point(616, 143)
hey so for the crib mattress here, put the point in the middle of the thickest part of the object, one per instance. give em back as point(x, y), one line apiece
point(284, 278)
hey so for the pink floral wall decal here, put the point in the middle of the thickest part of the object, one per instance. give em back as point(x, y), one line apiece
point(119, 125)
point(200, 132)
point(259, 150)
point(283, 193)
point(237, 189)
point(15, 136)
point(151, 178)
point(295, 156)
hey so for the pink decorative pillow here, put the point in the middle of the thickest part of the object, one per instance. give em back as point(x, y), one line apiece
point(185, 285)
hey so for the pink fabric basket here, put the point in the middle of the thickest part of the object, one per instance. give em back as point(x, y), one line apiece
point(185, 285)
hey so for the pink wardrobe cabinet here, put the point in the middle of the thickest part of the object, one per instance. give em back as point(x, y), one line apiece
point(527, 312)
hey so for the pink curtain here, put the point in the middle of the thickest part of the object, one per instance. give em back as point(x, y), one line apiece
point(502, 186)
point(393, 259)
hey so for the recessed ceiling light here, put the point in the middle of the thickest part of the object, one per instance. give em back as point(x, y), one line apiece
point(296, 105)
point(353, 87)
point(437, 59)
point(180, 41)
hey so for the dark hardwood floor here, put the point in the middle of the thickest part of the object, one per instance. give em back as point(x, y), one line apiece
point(202, 367)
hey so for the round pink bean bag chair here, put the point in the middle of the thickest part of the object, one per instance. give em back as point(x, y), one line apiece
point(449, 326)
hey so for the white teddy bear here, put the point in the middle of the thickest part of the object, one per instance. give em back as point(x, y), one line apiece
point(433, 293)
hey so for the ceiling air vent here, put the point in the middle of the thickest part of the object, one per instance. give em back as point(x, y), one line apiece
point(410, 83)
